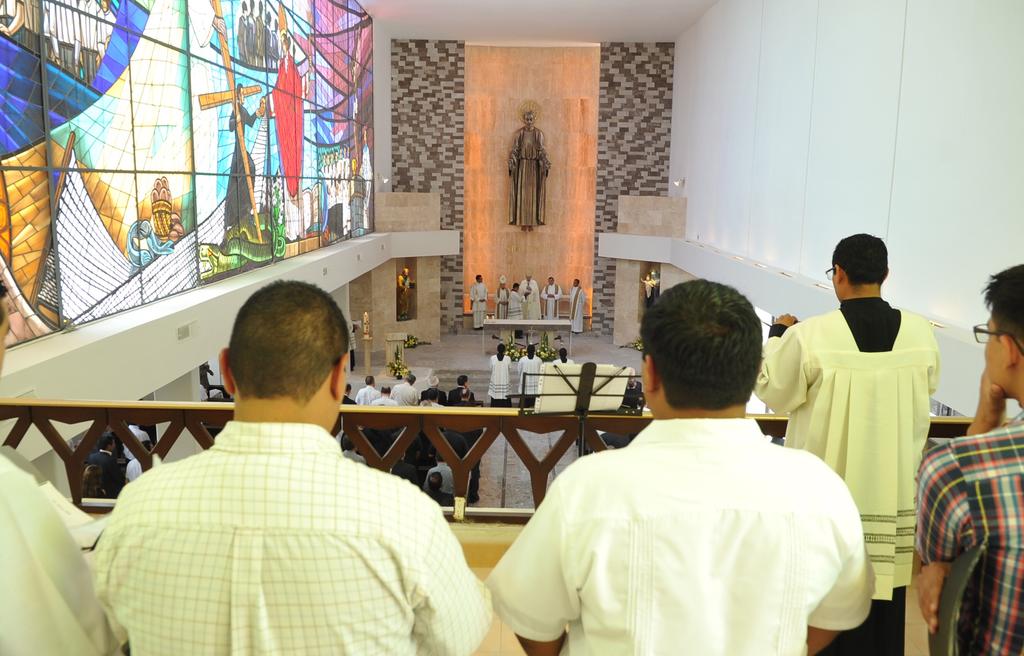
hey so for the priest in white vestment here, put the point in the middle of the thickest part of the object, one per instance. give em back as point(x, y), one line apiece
point(531, 298)
point(501, 302)
point(478, 302)
point(550, 295)
point(857, 383)
point(577, 303)
point(501, 299)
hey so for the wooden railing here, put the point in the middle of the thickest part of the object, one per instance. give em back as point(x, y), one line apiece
point(196, 419)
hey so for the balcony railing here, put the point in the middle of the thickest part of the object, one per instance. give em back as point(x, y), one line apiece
point(197, 420)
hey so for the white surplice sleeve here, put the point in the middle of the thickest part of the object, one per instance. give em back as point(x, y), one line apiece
point(782, 381)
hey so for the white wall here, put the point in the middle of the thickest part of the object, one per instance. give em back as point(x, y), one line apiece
point(798, 122)
point(962, 357)
point(381, 104)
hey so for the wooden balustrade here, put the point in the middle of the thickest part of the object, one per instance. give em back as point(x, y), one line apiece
point(195, 419)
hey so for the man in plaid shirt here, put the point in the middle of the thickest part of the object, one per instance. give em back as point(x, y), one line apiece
point(970, 491)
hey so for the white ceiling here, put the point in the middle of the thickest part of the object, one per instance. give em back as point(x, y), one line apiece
point(537, 21)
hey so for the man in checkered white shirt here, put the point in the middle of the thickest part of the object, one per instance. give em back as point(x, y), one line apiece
point(271, 541)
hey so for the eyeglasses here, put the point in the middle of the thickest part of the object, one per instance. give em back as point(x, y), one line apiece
point(983, 335)
point(829, 273)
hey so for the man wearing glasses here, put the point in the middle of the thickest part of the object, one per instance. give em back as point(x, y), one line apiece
point(970, 490)
point(857, 385)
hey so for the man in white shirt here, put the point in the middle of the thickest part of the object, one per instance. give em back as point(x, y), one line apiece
point(367, 395)
point(550, 295)
point(701, 535)
point(857, 384)
point(272, 541)
point(404, 393)
point(385, 397)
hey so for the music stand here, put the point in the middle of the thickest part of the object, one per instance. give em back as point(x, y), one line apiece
point(580, 390)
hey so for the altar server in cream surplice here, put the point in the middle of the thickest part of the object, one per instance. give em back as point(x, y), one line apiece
point(857, 383)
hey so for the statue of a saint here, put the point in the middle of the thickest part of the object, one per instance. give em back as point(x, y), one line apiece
point(405, 285)
point(651, 288)
point(528, 167)
point(366, 324)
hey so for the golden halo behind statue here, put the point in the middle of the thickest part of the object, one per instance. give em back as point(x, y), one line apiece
point(529, 106)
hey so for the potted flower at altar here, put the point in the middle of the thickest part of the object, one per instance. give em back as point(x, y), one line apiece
point(544, 350)
point(514, 351)
point(412, 342)
point(397, 367)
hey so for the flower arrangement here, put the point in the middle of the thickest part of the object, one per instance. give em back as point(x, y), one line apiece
point(513, 350)
point(412, 341)
point(637, 344)
point(545, 351)
point(397, 367)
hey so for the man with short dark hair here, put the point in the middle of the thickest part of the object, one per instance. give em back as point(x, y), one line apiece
point(348, 400)
point(272, 541)
point(103, 457)
point(857, 385)
point(461, 394)
point(368, 394)
point(701, 533)
point(969, 490)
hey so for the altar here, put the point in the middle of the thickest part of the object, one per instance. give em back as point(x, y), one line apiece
point(530, 325)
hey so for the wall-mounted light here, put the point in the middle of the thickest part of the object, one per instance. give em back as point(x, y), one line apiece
point(783, 273)
point(737, 258)
point(759, 265)
point(383, 179)
point(681, 182)
point(822, 285)
point(937, 324)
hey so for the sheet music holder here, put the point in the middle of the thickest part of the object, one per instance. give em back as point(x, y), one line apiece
point(579, 389)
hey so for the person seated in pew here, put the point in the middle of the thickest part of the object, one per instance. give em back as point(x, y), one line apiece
point(277, 542)
point(969, 490)
point(434, 486)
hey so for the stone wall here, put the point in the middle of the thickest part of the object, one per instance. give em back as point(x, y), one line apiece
point(634, 138)
point(427, 128)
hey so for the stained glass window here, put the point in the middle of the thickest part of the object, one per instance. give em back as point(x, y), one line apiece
point(147, 147)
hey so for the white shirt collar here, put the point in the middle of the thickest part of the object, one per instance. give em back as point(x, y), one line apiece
point(724, 433)
point(267, 437)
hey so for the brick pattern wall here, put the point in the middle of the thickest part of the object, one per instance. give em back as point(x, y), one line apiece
point(633, 144)
point(427, 127)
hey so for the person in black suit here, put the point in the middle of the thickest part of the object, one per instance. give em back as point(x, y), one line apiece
point(634, 396)
point(347, 400)
point(461, 394)
point(439, 398)
point(113, 477)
